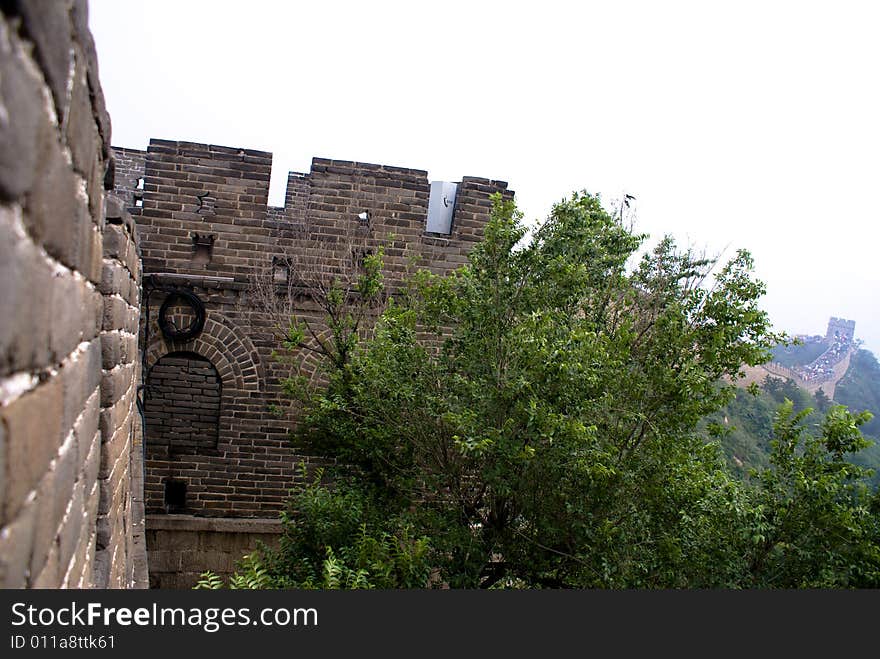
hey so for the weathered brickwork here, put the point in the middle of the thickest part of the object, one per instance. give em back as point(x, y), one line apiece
point(129, 177)
point(184, 404)
point(205, 227)
point(213, 199)
point(184, 545)
point(70, 514)
point(142, 295)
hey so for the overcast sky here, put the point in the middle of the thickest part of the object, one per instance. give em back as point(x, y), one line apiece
point(751, 125)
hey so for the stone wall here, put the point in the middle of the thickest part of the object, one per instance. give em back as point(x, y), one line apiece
point(205, 227)
point(129, 177)
point(840, 329)
point(74, 306)
point(183, 546)
point(70, 512)
point(184, 404)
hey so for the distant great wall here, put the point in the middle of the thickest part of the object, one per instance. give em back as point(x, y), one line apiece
point(825, 371)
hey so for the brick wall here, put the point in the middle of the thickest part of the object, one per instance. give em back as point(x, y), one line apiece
point(205, 227)
point(72, 306)
point(69, 306)
point(183, 404)
point(213, 199)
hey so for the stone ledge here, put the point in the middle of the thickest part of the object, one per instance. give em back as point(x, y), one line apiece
point(203, 281)
point(214, 524)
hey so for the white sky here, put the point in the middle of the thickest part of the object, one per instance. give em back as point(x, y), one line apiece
point(752, 124)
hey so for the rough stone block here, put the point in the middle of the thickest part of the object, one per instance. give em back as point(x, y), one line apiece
point(93, 498)
point(81, 132)
point(16, 542)
point(47, 24)
point(33, 433)
point(73, 574)
point(95, 191)
point(92, 463)
point(114, 212)
point(50, 574)
point(22, 106)
point(132, 320)
point(68, 314)
point(56, 210)
point(101, 567)
point(80, 19)
point(93, 315)
point(114, 279)
point(25, 303)
point(88, 574)
point(80, 376)
point(115, 308)
point(114, 417)
point(116, 241)
point(69, 534)
point(115, 384)
point(112, 452)
point(53, 495)
point(86, 426)
point(113, 349)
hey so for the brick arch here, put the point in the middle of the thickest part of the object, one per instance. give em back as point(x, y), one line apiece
point(224, 344)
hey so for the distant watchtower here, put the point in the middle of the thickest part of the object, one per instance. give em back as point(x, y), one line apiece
point(840, 329)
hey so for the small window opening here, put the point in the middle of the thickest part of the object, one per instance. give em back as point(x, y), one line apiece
point(203, 248)
point(175, 496)
point(139, 202)
point(140, 184)
point(280, 270)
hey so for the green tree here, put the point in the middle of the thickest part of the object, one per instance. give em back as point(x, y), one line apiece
point(859, 388)
point(815, 520)
point(532, 421)
point(538, 437)
point(823, 402)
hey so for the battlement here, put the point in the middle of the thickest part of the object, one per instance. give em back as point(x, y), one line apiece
point(203, 210)
point(840, 329)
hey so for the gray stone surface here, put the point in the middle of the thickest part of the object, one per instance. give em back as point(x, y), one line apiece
point(55, 361)
point(20, 113)
point(47, 24)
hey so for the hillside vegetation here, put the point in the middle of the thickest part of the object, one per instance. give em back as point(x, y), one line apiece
point(859, 389)
point(747, 420)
